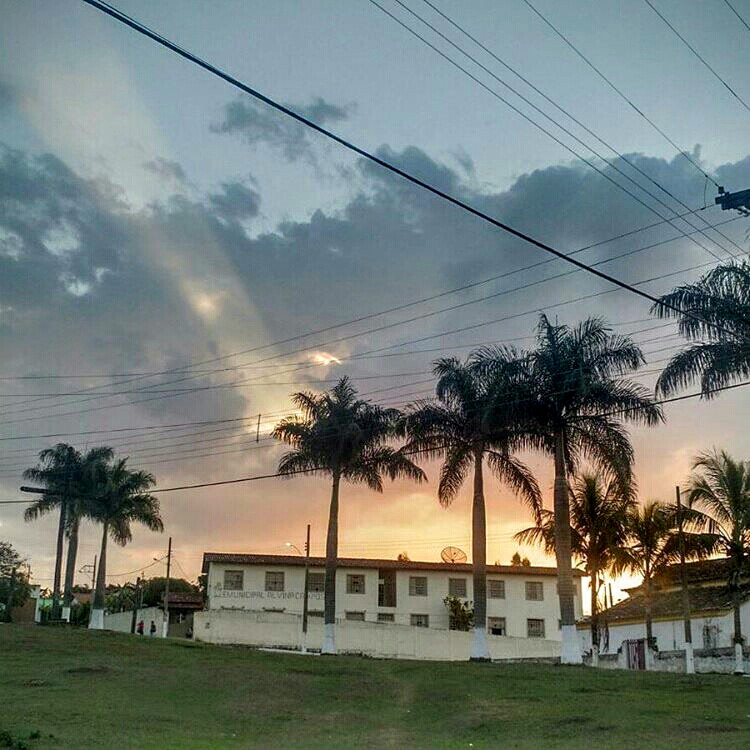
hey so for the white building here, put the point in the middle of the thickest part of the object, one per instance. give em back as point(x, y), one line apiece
point(711, 608)
point(521, 601)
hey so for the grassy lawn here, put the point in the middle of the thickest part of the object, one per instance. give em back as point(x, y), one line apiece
point(75, 689)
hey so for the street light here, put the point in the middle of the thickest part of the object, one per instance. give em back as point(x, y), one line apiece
point(295, 548)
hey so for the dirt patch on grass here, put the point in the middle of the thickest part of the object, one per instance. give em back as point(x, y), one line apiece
point(89, 670)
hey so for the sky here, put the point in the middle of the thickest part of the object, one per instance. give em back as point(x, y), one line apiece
point(155, 220)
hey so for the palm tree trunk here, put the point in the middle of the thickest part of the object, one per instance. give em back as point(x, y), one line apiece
point(97, 607)
point(571, 648)
point(58, 562)
point(739, 659)
point(479, 649)
point(70, 569)
point(332, 549)
point(594, 619)
point(647, 612)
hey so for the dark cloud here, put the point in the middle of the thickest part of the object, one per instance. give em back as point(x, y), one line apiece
point(236, 201)
point(257, 123)
point(166, 169)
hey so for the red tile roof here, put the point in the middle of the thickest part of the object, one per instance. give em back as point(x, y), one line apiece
point(362, 562)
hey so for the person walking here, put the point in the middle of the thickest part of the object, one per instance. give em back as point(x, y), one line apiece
point(152, 629)
point(139, 628)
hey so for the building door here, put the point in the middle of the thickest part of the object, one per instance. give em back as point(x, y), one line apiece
point(387, 588)
point(636, 653)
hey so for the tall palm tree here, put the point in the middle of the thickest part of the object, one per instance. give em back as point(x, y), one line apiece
point(121, 499)
point(653, 545)
point(344, 438)
point(582, 398)
point(598, 511)
point(714, 315)
point(56, 470)
point(80, 498)
point(466, 429)
point(720, 487)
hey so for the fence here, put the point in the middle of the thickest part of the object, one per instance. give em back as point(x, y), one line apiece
point(384, 640)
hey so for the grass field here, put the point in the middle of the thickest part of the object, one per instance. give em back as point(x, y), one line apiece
point(75, 689)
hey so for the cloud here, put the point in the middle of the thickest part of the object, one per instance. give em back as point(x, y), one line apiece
point(90, 283)
point(259, 124)
point(7, 96)
point(166, 169)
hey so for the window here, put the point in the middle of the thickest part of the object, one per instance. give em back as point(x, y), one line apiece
point(496, 625)
point(710, 636)
point(355, 616)
point(316, 581)
point(420, 621)
point(386, 617)
point(417, 586)
point(274, 580)
point(535, 628)
point(457, 587)
point(534, 591)
point(315, 613)
point(387, 588)
point(496, 589)
point(355, 584)
point(233, 580)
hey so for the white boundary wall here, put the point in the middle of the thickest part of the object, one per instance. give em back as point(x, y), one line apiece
point(281, 630)
point(120, 621)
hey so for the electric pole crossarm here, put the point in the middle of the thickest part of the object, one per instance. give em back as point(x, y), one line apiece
point(739, 201)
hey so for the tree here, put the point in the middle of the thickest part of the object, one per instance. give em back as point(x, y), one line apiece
point(581, 399)
point(14, 580)
point(720, 487)
point(403, 557)
point(121, 499)
point(55, 472)
point(519, 562)
point(467, 431)
point(154, 588)
point(653, 545)
point(460, 613)
point(69, 475)
point(714, 315)
point(598, 511)
point(344, 438)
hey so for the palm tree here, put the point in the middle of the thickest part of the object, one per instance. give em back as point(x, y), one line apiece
point(79, 501)
point(466, 429)
point(56, 470)
point(720, 487)
point(653, 545)
point(714, 315)
point(121, 500)
point(582, 398)
point(598, 511)
point(344, 438)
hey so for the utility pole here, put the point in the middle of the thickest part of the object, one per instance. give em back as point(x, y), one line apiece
point(136, 605)
point(165, 624)
point(11, 587)
point(307, 586)
point(739, 201)
point(689, 660)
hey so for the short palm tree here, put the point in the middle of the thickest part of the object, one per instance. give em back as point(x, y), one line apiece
point(344, 438)
point(598, 511)
point(653, 545)
point(56, 471)
point(582, 397)
point(720, 487)
point(465, 428)
point(121, 499)
point(714, 315)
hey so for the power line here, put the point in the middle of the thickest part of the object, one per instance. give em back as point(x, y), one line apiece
point(698, 55)
point(536, 124)
point(620, 93)
point(555, 104)
point(163, 41)
point(734, 10)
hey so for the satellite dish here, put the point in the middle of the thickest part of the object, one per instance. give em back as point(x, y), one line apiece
point(453, 555)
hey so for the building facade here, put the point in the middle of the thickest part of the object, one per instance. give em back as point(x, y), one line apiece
point(521, 601)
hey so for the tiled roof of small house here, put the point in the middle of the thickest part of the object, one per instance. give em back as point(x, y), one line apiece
point(361, 562)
